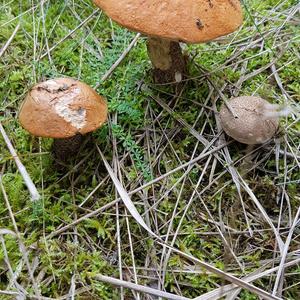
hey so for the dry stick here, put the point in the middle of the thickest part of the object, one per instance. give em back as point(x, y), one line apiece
point(139, 288)
point(118, 61)
point(29, 183)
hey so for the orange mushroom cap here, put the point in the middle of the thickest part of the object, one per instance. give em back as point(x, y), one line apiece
point(191, 21)
point(61, 108)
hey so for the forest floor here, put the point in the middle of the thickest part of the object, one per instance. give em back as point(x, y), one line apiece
point(219, 212)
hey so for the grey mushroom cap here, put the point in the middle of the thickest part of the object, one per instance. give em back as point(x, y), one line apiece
point(251, 123)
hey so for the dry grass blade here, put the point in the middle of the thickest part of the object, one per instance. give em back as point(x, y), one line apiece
point(263, 212)
point(130, 206)
point(28, 181)
point(9, 293)
point(139, 288)
point(192, 131)
point(3, 49)
point(230, 288)
point(4, 231)
point(227, 276)
point(13, 276)
point(285, 252)
point(32, 9)
point(22, 247)
point(125, 197)
point(140, 188)
point(69, 34)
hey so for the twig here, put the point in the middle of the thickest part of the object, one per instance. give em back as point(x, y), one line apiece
point(29, 183)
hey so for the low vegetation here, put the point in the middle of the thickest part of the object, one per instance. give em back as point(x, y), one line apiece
point(235, 207)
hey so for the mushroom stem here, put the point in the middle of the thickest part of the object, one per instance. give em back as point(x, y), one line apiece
point(167, 59)
point(67, 148)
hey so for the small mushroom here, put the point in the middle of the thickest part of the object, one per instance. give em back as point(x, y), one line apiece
point(64, 109)
point(169, 22)
point(251, 121)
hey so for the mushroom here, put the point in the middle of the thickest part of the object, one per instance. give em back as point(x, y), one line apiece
point(251, 121)
point(168, 22)
point(63, 109)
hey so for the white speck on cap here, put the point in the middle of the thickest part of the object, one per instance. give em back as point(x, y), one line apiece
point(53, 84)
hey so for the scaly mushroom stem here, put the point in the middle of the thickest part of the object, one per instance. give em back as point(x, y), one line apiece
point(67, 148)
point(167, 59)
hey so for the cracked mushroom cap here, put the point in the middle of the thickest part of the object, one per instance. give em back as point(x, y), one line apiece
point(191, 21)
point(253, 123)
point(61, 108)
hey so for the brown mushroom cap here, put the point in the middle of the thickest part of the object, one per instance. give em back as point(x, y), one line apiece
point(191, 21)
point(252, 125)
point(61, 108)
